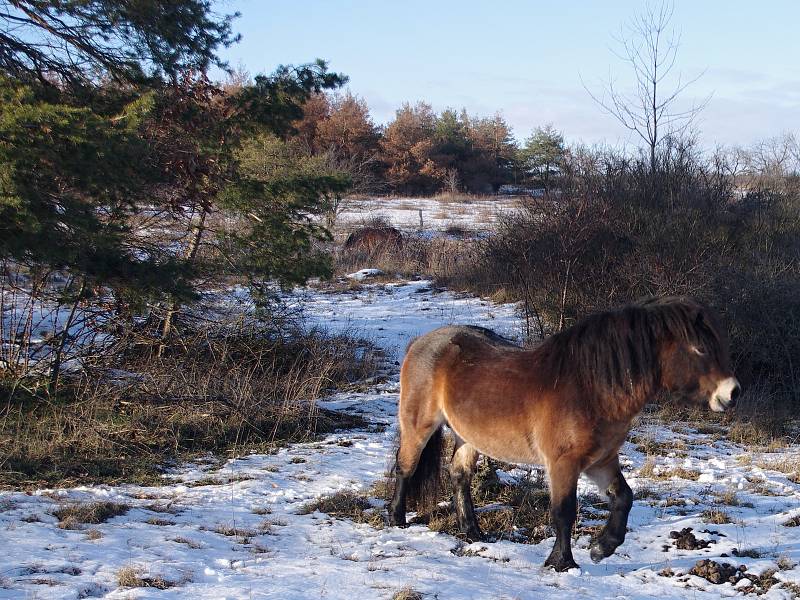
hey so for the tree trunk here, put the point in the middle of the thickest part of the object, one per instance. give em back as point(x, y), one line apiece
point(196, 236)
point(55, 369)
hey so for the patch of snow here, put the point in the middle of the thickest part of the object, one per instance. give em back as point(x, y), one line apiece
point(242, 534)
point(365, 274)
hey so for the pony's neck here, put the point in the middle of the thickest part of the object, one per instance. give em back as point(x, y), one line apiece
point(630, 402)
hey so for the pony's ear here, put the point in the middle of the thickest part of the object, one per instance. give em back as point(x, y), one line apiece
point(705, 322)
point(700, 318)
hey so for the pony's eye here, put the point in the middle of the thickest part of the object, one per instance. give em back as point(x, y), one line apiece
point(698, 351)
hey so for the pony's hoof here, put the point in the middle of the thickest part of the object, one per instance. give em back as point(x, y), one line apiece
point(395, 521)
point(598, 551)
point(560, 564)
point(597, 554)
point(473, 535)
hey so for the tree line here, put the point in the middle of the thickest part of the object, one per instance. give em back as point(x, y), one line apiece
point(423, 152)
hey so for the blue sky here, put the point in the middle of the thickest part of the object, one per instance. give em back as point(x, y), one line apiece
point(526, 59)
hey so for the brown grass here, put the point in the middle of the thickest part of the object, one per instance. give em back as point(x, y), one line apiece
point(650, 469)
point(793, 522)
point(715, 516)
point(347, 505)
point(131, 577)
point(223, 391)
point(439, 257)
point(72, 516)
point(651, 446)
point(504, 511)
point(407, 593)
point(730, 498)
point(235, 531)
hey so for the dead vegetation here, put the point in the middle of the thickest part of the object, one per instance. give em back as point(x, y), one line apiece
point(407, 593)
point(652, 470)
point(221, 389)
point(792, 522)
point(715, 516)
point(349, 505)
point(731, 498)
point(132, 577)
point(73, 516)
point(518, 511)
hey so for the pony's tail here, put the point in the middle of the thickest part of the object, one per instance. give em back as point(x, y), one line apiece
point(426, 485)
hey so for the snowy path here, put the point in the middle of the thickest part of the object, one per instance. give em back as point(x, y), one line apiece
point(236, 531)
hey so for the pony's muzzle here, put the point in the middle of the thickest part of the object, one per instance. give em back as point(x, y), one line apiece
point(726, 395)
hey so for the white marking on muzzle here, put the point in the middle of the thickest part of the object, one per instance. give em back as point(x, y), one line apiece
point(721, 398)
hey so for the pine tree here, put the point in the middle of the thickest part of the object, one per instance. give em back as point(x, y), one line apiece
point(77, 43)
point(543, 155)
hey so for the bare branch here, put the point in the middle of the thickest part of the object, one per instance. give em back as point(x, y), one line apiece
point(649, 46)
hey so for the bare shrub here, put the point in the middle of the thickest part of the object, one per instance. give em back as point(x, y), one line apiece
point(228, 388)
point(439, 257)
point(619, 231)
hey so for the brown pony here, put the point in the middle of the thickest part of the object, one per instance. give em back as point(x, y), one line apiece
point(567, 403)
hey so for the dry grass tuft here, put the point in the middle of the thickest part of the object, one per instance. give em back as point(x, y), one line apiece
point(646, 493)
point(131, 577)
point(730, 498)
point(407, 593)
point(347, 505)
point(188, 542)
point(715, 516)
point(793, 522)
point(234, 531)
point(652, 471)
point(517, 511)
point(72, 516)
point(651, 446)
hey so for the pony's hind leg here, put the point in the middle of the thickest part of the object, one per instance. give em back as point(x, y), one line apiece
point(397, 507)
point(563, 474)
point(462, 469)
point(418, 459)
point(609, 480)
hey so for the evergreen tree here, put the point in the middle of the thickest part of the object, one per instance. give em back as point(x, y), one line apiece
point(198, 131)
point(494, 154)
point(78, 42)
point(543, 155)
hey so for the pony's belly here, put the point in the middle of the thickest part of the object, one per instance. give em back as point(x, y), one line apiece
point(512, 447)
point(525, 456)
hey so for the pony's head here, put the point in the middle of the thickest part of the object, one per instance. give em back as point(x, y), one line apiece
point(695, 360)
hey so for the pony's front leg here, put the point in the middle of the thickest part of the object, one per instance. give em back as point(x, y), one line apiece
point(564, 475)
point(610, 480)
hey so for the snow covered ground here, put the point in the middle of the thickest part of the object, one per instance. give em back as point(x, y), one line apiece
point(237, 531)
point(437, 215)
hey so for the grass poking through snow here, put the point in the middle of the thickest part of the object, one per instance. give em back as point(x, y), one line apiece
point(72, 516)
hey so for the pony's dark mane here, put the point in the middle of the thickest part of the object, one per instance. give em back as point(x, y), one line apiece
point(613, 355)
